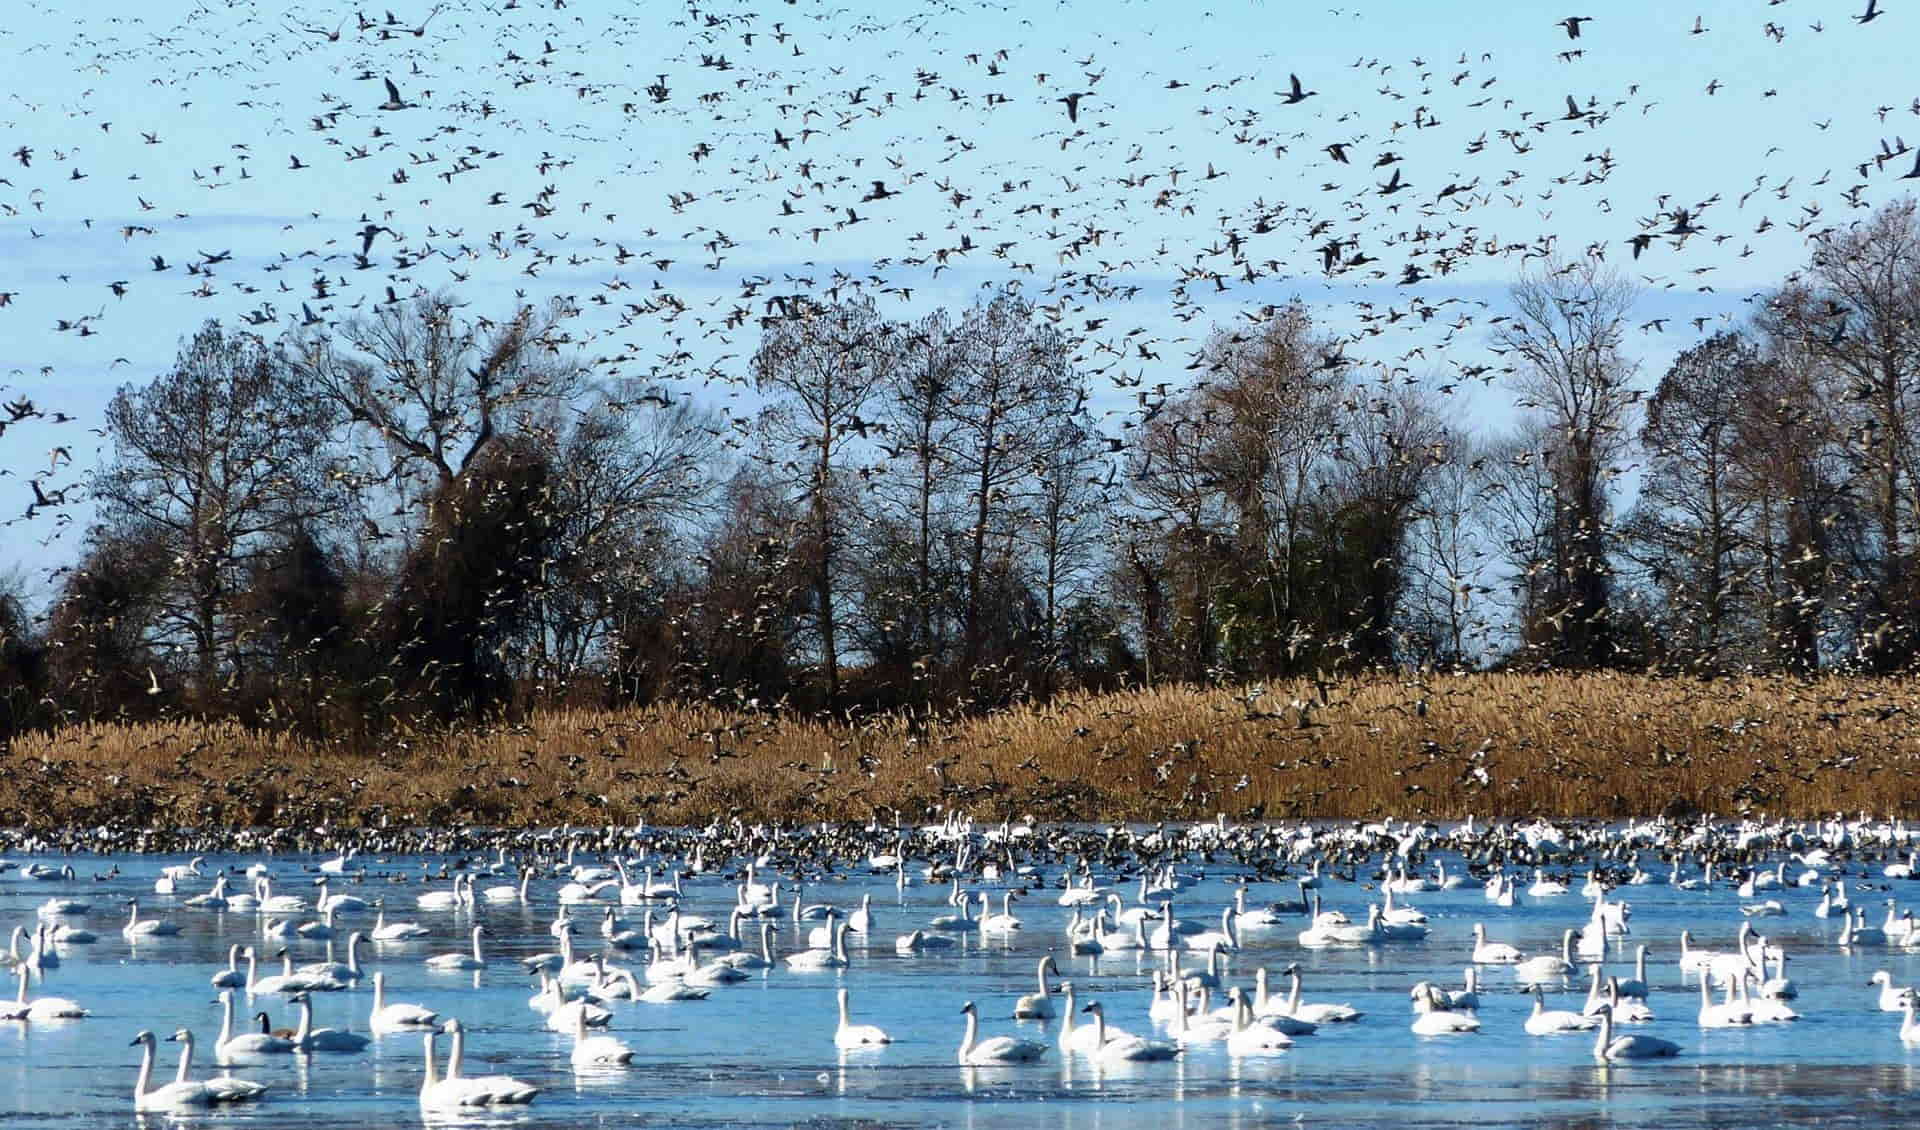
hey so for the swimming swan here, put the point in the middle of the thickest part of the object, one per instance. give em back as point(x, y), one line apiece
point(1124, 1048)
point(397, 1016)
point(457, 1092)
point(182, 1093)
point(994, 1050)
point(457, 961)
point(1038, 1005)
point(849, 1035)
point(1608, 1048)
point(229, 1046)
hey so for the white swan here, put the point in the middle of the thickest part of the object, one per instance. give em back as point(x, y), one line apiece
point(849, 1035)
point(229, 1046)
point(1435, 1020)
point(811, 959)
point(1493, 953)
point(1891, 999)
point(138, 927)
point(1250, 1038)
point(746, 959)
point(224, 1088)
point(45, 1008)
point(1909, 1030)
point(1318, 1013)
point(230, 977)
point(598, 1049)
point(445, 900)
point(457, 1092)
point(1004, 922)
point(1543, 1021)
point(1124, 1048)
point(307, 1038)
point(182, 1093)
point(507, 892)
point(398, 1016)
point(215, 897)
point(1548, 966)
point(1038, 1005)
point(1728, 1014)
point(1607, 1047)
point(385, 931)
point(994, 1050)
point(457, 961)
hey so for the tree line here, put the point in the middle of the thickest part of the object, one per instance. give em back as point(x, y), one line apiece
point(419, 512)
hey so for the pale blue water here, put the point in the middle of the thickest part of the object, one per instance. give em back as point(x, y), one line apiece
point(761, 1053)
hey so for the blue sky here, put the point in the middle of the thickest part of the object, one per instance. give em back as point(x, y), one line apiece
point(542, 105)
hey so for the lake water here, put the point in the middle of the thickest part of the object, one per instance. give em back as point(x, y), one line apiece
point(762, 1053)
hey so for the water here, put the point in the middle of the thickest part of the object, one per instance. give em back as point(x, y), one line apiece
point(762, 1053)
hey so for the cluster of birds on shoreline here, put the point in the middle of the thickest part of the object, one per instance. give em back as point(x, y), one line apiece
point(588, 878)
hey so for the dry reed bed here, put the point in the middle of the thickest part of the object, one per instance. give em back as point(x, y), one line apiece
point(1495, 745)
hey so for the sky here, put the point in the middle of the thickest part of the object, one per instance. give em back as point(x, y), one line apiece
point(1142, 170)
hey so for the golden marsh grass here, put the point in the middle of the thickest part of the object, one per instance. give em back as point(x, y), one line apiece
point(1499, 746)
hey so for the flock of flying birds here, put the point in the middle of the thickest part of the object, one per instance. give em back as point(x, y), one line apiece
point(681, 177)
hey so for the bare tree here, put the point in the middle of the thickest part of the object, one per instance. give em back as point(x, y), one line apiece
point(209, 460)
point(1566, 332)
point(820, 368)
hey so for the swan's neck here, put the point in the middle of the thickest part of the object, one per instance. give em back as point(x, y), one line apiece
point(186, 1058)
point(226, 1021)
point(456, 1053)
point(973, 1030)
point(433, 1071)
point(146, 1070)
point(301, 1033)
point(476, 957)
point(843, 1010)
point(1099, 1028)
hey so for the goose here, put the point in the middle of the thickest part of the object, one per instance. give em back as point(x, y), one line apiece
point(1248, 1037)
point(1909, 1030)
point(138, 927)
point(1890, 999)
point(457, 1091)
point(1545, 1022)
point(231, 977)
point(45, 1008)
point(1435, 1020)
point(1318, 1013)
point(1493, 953)
point(1121, 1047)
point(598, 1049)
point(1548, 967)
point(182, 1093)
point(811, 959)
point(850, 1035)
point(1608, 1048)
point(1730, 1013)
point(385, 931)
point(457, 961)
point(397, 1016)
point(230, 1045)
point(1038, 1005)
point(307, 1038)
point(1004, 922)
point(994, 1050)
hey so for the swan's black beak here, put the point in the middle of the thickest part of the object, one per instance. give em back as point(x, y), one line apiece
point(135, 1042)
point(1087, 1008)
point(174, 1039)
